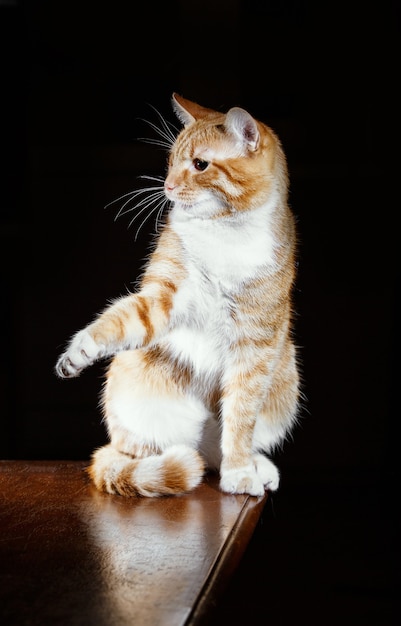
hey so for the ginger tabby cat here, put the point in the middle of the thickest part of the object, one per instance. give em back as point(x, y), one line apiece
point(203, 373)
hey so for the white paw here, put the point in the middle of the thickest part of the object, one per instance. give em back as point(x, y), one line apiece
point(242, 480)
point(82, 351)
point(267, 471)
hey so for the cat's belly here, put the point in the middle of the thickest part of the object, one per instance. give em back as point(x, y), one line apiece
point(201, 325)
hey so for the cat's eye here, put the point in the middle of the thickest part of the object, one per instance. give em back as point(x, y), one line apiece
point(200, 165)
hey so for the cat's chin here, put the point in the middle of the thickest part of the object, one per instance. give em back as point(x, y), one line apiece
point(203, 209)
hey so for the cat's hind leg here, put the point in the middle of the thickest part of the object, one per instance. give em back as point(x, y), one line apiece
point(155, 426)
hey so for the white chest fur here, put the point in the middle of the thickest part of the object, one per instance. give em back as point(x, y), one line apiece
point(221, 255)
point(229, 250)
point(200, 323)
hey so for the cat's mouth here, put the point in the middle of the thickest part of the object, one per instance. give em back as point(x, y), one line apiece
point(198, 204)
point(183, 203)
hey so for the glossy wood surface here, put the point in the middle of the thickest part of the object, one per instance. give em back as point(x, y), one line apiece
point(70, 555)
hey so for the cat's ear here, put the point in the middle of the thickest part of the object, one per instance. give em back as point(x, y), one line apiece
point(243, 126)
point(187, 111)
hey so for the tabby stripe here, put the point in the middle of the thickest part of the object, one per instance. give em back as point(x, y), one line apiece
point(174, 476)
point(124, 484)
point(178, 371)
point(142, 308)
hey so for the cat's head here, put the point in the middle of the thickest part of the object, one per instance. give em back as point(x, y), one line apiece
point(223, 163)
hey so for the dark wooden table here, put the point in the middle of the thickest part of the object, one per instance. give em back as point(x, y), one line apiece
point(71, 555)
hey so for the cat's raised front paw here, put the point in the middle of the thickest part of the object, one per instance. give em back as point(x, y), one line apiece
point(81, 353)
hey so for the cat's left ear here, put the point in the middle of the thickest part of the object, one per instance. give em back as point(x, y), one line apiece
point(244, 127)
point(188, 111)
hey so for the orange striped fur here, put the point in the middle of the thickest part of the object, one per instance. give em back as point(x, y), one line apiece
point(203, 371)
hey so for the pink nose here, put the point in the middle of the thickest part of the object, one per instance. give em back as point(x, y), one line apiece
point(169, 186)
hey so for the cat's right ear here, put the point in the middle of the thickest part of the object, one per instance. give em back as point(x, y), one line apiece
point(187, 111)
point(244, 127)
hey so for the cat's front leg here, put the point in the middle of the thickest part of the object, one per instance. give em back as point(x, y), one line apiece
point(130, 322)
point(238, 470)
point(241, 470)
point(123, 325)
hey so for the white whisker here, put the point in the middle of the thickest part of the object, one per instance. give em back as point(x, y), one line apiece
point(130, 193)
point(170, 129)
point(135, 194)
point(149, 204)
point(167, 137)
point(145, 202)
point(161, 204)
point(159, 179)
point(155, 142)
point(160, 212)
point(152, 196)
point(151, 200)
point(167, 131)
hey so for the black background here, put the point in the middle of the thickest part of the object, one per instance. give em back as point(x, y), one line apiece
point(77, 80)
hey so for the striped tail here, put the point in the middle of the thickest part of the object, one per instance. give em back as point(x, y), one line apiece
point(177, 470)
